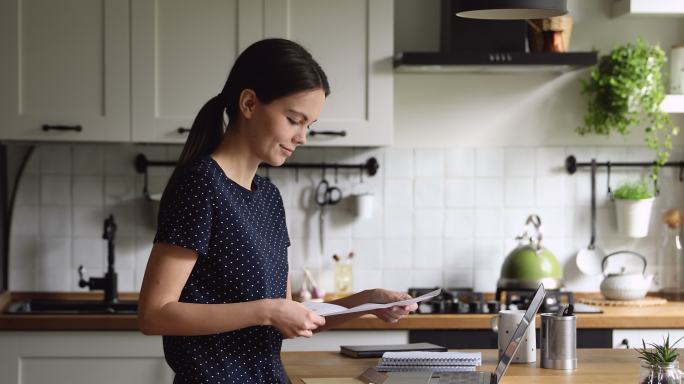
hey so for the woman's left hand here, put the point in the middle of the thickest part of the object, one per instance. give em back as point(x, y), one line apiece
point(392, 314)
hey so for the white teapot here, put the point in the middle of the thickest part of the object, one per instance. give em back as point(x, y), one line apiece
point(624, 285)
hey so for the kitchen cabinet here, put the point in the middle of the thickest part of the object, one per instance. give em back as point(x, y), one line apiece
point(673, 104)
point(181, 57)
point(631, 338)
point(64, 64)
point(353, 41)
point(648, 8)
point(82, 358)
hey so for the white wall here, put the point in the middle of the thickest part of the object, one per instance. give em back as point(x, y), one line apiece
point(474, 155)
point(521, 109)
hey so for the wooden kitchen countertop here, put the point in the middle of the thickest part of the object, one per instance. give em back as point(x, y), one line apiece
point(595, 366)
point(669, 316)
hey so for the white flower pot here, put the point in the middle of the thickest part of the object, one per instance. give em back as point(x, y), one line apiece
point(634, 216)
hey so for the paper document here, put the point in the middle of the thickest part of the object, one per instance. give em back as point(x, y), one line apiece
point(327, 309)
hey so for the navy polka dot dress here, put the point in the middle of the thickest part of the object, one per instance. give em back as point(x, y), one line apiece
point(241, 240)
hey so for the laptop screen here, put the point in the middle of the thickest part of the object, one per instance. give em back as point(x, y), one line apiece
point(513, 345)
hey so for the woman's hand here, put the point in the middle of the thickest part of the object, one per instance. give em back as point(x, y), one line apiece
point(293, 319)
point(392, 314)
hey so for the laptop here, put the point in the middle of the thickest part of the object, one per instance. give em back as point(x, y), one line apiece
point(480, 377)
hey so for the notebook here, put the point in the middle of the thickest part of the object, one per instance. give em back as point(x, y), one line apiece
point(378, 350)
point(429, 361)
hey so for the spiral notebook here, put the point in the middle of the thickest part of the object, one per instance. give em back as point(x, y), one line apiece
point(429, 361)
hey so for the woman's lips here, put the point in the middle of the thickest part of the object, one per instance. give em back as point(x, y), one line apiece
point(287, 150)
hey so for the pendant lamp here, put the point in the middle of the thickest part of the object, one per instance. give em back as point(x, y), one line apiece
point(510, 9)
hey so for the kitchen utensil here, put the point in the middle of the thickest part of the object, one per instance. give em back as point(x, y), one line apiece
point(598, 300)
point(623, 285)
point(325, 195)
point(589, 259)
point(505, 324)
point(558, 340)
point(530, 264)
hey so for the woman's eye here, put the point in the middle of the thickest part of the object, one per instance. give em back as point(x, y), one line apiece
point(292, 121)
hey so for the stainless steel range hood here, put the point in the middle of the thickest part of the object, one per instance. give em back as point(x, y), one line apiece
point(468, 45)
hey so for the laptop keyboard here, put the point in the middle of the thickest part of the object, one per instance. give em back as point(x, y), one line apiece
point(461, 378)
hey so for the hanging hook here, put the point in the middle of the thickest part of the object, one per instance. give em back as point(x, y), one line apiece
point(656, 189)
point(610, 191)
point(336, 173)
point(296, 173)
point(681, 171)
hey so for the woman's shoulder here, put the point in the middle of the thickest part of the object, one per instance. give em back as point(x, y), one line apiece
point(200, 173)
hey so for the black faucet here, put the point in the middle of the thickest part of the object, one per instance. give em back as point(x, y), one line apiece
point(107, 283)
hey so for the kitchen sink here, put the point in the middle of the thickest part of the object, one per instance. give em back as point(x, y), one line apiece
point(71, 307)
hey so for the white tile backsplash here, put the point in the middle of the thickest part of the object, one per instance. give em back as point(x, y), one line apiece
point(441, 217)
point(519, 162)
point(460, 162)
point(429, 163)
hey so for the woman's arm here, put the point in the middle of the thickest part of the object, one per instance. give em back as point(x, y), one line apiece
point(378, 295)
point(160, 312)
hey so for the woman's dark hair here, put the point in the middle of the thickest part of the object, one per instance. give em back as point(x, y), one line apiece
point(272, 68)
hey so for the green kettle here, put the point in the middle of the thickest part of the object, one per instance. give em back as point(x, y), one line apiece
point(530, 264)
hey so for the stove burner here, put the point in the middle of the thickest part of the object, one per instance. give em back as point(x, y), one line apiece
point(521, 298)
point(467, 301)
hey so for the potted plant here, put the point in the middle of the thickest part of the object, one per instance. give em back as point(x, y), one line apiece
point(659, 365)
point(626, 90)
point(633, 206)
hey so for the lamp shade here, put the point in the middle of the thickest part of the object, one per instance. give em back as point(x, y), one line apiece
point(510, 9)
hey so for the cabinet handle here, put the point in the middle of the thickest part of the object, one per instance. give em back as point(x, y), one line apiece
point(182, 130)
point(76, 128)
point(623, 344)
point(330, 133)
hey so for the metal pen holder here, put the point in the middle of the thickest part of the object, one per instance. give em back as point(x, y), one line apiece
point(558, 341)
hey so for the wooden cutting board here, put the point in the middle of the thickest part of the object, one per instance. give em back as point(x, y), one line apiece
point(602, 301)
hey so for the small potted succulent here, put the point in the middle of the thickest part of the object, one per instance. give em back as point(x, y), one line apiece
point(633, 206)
point(659, 365)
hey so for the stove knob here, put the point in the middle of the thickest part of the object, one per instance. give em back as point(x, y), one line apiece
point(474, 307)
point(424, 308)
point(493, 306)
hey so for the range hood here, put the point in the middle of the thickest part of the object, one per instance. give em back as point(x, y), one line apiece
point(470, 45)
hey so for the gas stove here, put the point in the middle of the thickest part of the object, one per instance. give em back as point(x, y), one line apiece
point(467, 301)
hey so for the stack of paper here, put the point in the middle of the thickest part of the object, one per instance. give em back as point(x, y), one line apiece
point(429, 361)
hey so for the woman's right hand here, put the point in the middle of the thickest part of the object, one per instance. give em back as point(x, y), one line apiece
point(293, 319)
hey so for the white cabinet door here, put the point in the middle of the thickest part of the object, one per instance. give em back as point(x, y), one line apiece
point(64, 64)
point(181, 56)
point(632, 338)
point(113, 357)
point(354, 43)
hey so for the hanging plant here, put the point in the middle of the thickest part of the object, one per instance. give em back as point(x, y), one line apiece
point(625, 90)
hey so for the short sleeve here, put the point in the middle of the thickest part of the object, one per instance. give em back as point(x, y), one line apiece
point(185, 213)
point(282, 221)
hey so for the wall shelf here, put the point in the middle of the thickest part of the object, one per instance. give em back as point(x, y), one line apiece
point(673, 104)
point(629, 8)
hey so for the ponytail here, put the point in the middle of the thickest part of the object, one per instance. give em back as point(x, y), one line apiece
point(272, 68)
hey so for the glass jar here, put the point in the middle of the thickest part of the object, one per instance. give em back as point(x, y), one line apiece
point(671, 261)
point(660, 373)
point(343, 275)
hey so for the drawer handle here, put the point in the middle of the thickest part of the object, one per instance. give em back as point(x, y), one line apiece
point(76, 128)
point(182, 130)
point(329, 133)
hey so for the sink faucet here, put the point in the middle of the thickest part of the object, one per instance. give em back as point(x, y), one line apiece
point(107, 283)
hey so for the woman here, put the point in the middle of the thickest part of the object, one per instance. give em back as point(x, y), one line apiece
point(216, 285)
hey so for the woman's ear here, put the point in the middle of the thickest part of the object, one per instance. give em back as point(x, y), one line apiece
point(247, 102)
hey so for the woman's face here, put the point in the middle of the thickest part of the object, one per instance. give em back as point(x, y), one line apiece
point(276, 129)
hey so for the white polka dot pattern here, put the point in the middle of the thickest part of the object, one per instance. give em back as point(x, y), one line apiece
point(241, 240)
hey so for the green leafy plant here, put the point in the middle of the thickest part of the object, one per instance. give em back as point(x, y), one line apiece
point(659, 354)
point(625, 90)
point(634, 190)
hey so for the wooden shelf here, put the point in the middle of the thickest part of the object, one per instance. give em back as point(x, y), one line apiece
point(671, 8)
point(673, 104)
